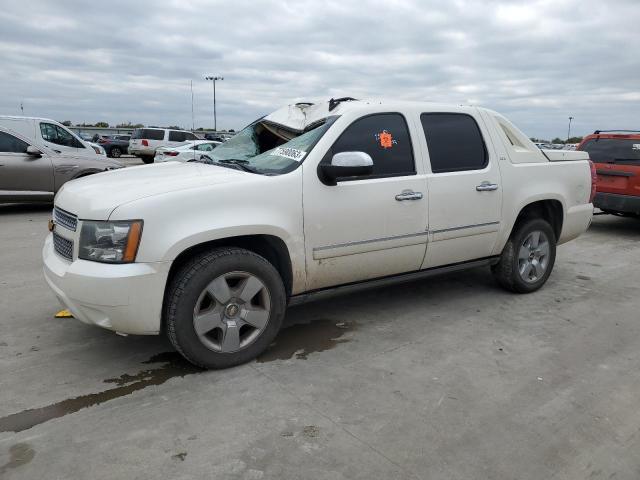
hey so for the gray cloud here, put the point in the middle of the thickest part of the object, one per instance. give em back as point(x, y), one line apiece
point(537, 61)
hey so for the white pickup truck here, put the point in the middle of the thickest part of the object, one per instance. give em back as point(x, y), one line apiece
point(309, 200)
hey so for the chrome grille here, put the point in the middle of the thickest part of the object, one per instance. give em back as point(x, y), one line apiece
point(62, 246)
point(65, 219)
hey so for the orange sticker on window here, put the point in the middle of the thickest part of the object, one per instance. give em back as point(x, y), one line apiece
point(386, 139)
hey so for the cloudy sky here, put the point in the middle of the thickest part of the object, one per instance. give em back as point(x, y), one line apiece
point(536, 61)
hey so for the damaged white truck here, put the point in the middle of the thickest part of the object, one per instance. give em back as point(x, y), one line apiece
point(310, 200)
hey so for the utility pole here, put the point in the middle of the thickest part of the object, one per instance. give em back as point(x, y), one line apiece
point(214, 79)
point(193, 123)
point(569, 131)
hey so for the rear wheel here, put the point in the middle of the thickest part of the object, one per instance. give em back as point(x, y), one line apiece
point(224, 307)
point(115, 152)
point(147, 159)
point(528, 257)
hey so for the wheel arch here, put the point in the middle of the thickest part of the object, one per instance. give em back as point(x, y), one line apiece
point(550, 210)
point(271, 247)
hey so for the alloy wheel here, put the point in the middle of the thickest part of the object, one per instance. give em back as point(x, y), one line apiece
point(533, 256)
point(232, 312)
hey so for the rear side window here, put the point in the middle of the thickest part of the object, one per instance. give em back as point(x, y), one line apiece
point(190, 136)
point(385, 137)
point(455, 142)
point(613, 150)
point(11, 144)
point(177, 136)
point(148, 133)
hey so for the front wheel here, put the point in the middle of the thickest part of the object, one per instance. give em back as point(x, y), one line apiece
point(115, 152)
point(224, 307)
point(528, 257)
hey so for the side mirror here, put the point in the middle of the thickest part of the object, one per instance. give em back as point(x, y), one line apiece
point(345, 164)
point(33, 151)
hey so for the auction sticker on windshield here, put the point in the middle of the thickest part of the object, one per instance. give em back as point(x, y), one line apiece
point(290, 153)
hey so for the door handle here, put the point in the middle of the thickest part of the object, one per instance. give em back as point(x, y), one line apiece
point(410, 195)
point(486, 187)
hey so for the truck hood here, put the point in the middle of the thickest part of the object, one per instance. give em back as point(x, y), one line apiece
point(96, 196)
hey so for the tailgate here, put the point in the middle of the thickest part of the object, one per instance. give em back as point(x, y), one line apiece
point(620, 179)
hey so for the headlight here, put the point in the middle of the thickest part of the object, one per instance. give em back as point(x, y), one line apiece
point(110, 242)
point(99, 150)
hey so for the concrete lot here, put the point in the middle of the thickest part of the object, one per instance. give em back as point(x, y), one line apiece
point(449, 378)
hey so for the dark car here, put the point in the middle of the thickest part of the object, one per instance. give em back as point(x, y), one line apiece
point(114, 145)
point(214, 137)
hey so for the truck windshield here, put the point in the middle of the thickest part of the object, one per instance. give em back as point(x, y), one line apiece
point(267, 148)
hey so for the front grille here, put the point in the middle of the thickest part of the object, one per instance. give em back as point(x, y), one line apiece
point(62, 246)
point(66, 219)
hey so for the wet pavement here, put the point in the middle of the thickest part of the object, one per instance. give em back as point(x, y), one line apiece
point(445, 378)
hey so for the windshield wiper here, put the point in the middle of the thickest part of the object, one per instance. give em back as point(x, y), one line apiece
point(228, 163)
point(242, 164)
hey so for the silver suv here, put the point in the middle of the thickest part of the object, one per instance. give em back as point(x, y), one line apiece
point(30, 172)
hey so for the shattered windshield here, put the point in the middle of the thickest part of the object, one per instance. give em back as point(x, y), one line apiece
point(267, 148)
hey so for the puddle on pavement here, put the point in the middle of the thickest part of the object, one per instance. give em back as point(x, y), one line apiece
point(19, 454)
point(298, 341)
point(173, 365)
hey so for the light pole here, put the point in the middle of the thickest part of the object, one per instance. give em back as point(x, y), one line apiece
point(569, 131)
point(213, 79)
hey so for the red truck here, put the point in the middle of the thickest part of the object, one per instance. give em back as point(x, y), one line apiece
point(616, 154)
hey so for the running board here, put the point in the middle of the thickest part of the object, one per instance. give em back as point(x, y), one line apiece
point(384, 281)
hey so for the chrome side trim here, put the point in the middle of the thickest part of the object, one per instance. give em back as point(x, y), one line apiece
point(453, 229)
point(464, 231)
point(370, 245)
point(384, 281)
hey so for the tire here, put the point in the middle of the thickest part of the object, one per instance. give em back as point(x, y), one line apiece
point(147, 159)
point(234, 324)
point(115, 152)
point(518, 274)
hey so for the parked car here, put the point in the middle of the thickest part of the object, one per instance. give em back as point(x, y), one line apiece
point(51, 134)
point(217, 137)
point(308, 201)
point(33, 172)
point(115, 145)
point(145, 141)
point(616, 154)
point(185, 153)
point(85, 136)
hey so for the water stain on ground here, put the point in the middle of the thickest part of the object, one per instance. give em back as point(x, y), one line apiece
point(19, 454)
point(298, 341)
point(173, 365)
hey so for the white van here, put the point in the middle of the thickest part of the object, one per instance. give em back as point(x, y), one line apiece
point(145, 141)
point(52, 134)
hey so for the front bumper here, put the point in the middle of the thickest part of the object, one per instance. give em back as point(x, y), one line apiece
point(124, 298)
point(613, 202)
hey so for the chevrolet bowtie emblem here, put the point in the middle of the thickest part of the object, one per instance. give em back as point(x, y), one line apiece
point(51, 225)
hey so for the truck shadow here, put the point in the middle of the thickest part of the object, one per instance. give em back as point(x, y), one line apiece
point(624, 227)
point(22, 208)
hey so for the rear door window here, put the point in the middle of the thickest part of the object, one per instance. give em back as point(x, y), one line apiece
point(177, 136)
point(454, 141)
point(613, 150)
point(385, 137)
point(11, 144)
point(148, 133)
